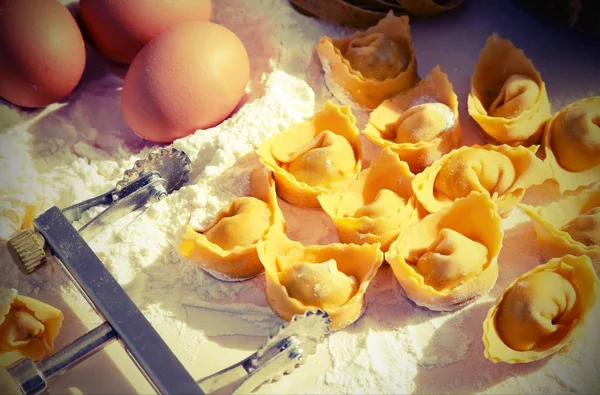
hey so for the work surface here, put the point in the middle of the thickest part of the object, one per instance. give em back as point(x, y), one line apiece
point(79, 150)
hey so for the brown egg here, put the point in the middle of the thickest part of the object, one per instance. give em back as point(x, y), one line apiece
point(42, 53)
point(118, 29)
point(190, 77)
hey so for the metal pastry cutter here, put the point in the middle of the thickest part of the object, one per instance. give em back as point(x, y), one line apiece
point(150, 180)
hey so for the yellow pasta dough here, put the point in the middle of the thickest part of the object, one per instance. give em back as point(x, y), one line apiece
point(518, 93)
point(421, 124)
point(320, 285)
point(371, 65)
point(449, 258)
point(508, 97)
point(542, 311)
point(241, 224)
point(28, 327)
point(226, 248)
point(376, 205)
point(536, 309)
point(316, 156)
point(572, 144)
point(424, 122)
point(326, 159)
point(585, 229)
point(570, 225)
point(332, 277)
point(503, 172)
point(377, 56)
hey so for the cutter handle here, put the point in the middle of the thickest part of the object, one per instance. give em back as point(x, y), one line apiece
point(27, 249)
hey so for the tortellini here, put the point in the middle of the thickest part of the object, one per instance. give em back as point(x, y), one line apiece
point(421, 124)
point(28, 327)
point(331, 277)
point(570, 225)
point(503, 172)
point(372, 65)
point(541, 312)
point(15, 215)
point(376, 205)
point(449, 258)
point(572, 144)
point(314, 157)
point(585, 229)
point(227, 247)
point(377, 56)
point(508, 97)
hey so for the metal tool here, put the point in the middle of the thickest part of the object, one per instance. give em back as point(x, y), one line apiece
point(284, 351)
point(150, 180)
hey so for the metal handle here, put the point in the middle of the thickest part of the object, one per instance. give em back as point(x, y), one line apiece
point(247, 375)
point(156, 361)
point(30, 378)
point(153, 191)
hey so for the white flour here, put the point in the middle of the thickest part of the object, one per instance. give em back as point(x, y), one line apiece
point(72, 152)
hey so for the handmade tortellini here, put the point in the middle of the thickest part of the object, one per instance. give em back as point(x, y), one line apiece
point(227, 247)
point(15, 214)
point(503, 172)
point(508, 97)
point(449, 258)
point(570, 225)
point(541, 312)
point(331, 277)
point(572, 144)
point(28, 327)
point(313, 157)
point(376, 205)
point(421, 124)
point(585, 229)
point(372, 65)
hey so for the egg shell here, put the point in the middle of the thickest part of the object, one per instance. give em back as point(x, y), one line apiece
point(190, 77)
point(119, 29)
point(42, 52)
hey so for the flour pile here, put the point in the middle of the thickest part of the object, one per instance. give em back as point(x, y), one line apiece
point(71, 152)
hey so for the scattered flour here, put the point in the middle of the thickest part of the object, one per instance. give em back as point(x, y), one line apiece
point(70, 152)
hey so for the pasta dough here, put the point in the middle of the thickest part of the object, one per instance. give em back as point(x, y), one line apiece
point(376, 205)
point(241, 224)
point(421, 124)
point(28, 327)
point(518, 93)
point(542, 311)
point(318, 284)
point(317, 156)
point(569, 225)
point(226, 248)
point(424, 122)
point(449, 258)
point(585, 229)
point(325, 160)
point(572, 144)
point(508, 97)
point(377, 56)
point(332, 277)
point(372, 65)
point(475, 170)
point(540, 307)
point(502, 172)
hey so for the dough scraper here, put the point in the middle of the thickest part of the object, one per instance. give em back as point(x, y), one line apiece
point(150, 180)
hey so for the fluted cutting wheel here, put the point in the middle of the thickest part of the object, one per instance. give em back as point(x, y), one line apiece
point(171, 164)
point(308, 330)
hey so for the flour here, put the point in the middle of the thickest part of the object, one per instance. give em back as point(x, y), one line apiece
point(68, 153)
